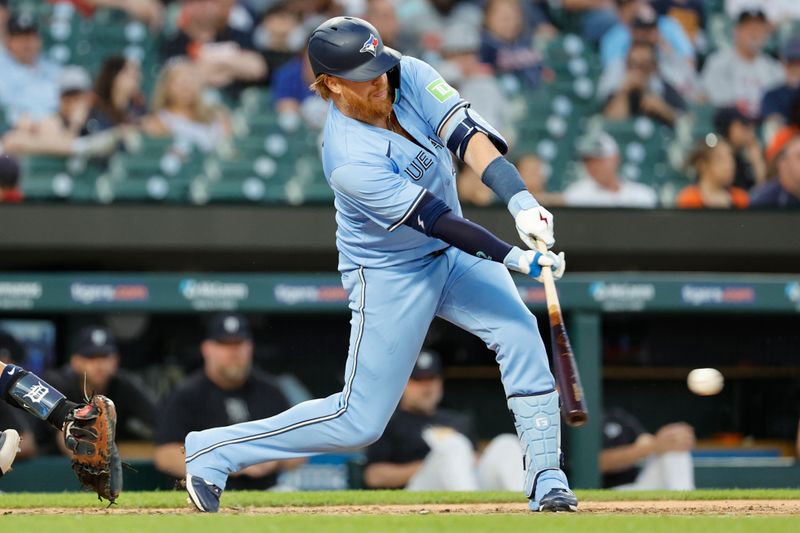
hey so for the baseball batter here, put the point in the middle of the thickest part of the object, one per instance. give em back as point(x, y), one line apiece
point(406, 256)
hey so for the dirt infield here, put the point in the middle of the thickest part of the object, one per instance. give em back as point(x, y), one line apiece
point(727, 507)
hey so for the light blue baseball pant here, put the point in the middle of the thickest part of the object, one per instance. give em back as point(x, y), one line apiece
point(392, 309)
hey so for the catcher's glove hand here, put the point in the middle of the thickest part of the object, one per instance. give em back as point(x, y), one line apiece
point(89, 432)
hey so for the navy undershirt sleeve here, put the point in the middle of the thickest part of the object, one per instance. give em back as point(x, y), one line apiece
point(434, 218)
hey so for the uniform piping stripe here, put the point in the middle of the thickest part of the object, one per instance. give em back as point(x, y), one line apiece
point(410, 210)
point(347, 391)
point(459, 105)
point(528, 395)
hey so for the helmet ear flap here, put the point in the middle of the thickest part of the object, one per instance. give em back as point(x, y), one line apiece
point(393, 76)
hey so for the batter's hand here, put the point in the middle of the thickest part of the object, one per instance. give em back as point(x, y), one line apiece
point(535, 224)
point(531, 262)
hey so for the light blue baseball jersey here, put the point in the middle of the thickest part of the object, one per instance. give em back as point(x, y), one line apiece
point(379, 176)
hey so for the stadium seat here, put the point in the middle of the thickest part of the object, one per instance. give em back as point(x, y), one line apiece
point(249, 189)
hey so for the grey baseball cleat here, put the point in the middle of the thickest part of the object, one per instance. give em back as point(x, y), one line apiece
point(559, 500)
point(9, 447)
point(204, 495)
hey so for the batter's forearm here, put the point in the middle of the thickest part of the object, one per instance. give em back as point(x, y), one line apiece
point(498, 174)
point(470, 237)
point(480, 152)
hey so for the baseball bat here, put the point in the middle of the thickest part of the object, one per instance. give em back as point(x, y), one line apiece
point(573, 401)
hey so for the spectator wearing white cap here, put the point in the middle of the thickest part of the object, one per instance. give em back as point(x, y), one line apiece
point(29, 84)
point(776, 11)
point(600, 184)
point(740, 76)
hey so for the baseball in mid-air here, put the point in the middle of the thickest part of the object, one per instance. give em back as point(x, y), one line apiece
point(705, 381)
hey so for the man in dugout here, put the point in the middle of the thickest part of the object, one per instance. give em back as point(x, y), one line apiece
point(227, 390)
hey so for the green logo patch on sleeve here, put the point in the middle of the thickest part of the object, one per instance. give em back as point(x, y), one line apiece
point(440, 90)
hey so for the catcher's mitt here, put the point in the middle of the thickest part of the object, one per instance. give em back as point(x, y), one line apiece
point(89, 433)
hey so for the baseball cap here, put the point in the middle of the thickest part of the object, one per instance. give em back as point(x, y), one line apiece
point(428, 365)
point(596, 143)
point(791, 50)
point(751, 13)
point(228, 327)
point(21, 23)
point(95, 341)
point(725, 116)
point(74, 79)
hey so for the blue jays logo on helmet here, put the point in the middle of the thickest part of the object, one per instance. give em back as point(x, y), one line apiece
point(351, 48)
point(370, 45)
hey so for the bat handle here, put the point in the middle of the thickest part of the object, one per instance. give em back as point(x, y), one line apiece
point(547, 278)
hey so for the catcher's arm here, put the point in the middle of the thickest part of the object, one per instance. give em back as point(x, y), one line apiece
point(89, 429)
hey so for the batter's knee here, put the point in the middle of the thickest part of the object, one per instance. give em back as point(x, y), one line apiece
point(361, 431)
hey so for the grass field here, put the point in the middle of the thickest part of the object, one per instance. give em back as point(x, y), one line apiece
point(393, 511)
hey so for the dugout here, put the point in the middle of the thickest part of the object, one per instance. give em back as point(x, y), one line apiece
point(637, 320)
point(636, 337)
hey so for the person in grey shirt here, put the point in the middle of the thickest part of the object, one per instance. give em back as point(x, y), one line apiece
point(600, 184)
point(739, 76)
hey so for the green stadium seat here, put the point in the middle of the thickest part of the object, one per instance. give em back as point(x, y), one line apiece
point(255, 101)
point(155, 188)
point(262, 167)
point(237, 189)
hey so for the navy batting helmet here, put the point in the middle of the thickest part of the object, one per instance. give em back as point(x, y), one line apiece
point(350, 48)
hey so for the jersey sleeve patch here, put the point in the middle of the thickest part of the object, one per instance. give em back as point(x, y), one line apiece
point(440, 90)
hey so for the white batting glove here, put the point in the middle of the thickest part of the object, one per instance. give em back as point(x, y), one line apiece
point(533, 221)
point(531, 263)
point(535, 224)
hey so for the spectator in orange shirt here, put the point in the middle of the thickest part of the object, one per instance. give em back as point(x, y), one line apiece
point(714, 166)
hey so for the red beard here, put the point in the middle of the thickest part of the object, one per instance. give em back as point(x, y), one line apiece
point(367, 110)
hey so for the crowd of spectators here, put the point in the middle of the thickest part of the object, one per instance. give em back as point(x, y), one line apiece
point(666, 61)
